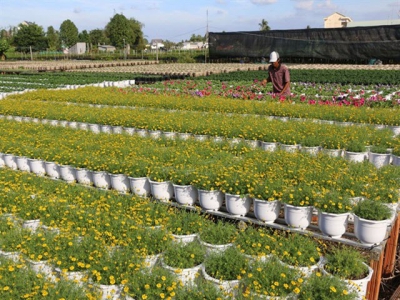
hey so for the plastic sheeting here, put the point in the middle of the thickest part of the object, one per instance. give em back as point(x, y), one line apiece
point(322, 44)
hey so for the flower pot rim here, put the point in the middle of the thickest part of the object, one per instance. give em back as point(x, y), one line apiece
point(371, 221)
point(337, 214)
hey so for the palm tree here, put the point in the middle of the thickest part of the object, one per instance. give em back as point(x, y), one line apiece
point(264, 25)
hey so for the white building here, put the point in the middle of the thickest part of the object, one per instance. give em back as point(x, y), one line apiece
point(336, 20)
point(192, 45)
point(106, 48)
point(156, 44)
point(78, 48)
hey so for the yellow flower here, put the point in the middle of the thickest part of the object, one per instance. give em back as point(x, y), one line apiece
point(144, 296)
point(333, 289)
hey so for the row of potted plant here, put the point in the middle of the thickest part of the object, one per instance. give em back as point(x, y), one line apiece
point(303, 132)
point(230, 268)
point(147, 98)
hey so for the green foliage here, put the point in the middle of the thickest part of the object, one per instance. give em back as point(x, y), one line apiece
point(220, 233)
point(269, 278)
point(372, 210)
point(68, 33)
point(320, 287)
point(121, 30)
point(53, 38)
point(30, 36)
point(152, 284)
point(184, 256)
point(226, 265)
point(202, 290)
point(346, 262)
point(4, 46)
point(98, 36)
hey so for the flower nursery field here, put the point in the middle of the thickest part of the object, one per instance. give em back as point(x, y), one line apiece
point(123, 191)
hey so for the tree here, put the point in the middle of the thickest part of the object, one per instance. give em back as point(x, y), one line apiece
point(53, 38)
point(4, 46)
point(138, 39)
point(31, 35)
point(168, 44)
point(119, 31)
point(122, 31)
point(97, 37)
point(196, 38)
point(84, 37)
point(264, 25)
point(68, 33)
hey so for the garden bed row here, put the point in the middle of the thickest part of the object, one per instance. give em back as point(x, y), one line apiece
point(64, 247)
point(163, 175)
point(284, 131)
point(195, 100)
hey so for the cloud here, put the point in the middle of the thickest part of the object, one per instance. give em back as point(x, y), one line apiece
point(262, 2)
point(304, 4)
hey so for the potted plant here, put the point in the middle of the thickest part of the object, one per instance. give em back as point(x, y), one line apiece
point(184, 260)
point(334, 208)
point(256, 243)
point(11, 239)
point(379, 156)
point(18, 282)
point(37, 249)
point(148, 243)
point(208, 185)
point(319, 286)
point(225, 269)
point(184, 226)
point(112, 270)
point(217, 236)
point(356, 150)
point(202, 289)
point(349, 265)
point(151, 214)
point(73, 257)
point(267, 204)
point(371, 220)
point(185, 193)
point(157, 283)
point(237, 185)
point(270, 279)
point(298, 205)
point(160, 184)
point(300, 252)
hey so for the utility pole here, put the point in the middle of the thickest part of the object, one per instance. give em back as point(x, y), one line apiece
point(206, 43)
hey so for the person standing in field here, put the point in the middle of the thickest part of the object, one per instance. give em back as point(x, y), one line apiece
point(279, 75)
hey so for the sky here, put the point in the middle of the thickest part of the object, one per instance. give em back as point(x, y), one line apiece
point(177, 20)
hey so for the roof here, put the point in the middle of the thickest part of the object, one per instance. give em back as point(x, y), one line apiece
point(105, 46)
point(336, 13)
point(373, 23)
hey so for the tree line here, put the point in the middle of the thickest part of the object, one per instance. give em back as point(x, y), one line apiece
point(118, 32)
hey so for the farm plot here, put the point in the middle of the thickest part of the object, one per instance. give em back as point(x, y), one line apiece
point(241, 174)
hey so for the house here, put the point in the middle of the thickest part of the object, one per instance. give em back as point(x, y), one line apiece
point(336, 20)
point(156, 44)
point(77, 49)
point(192, 45)
point(106, 48)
